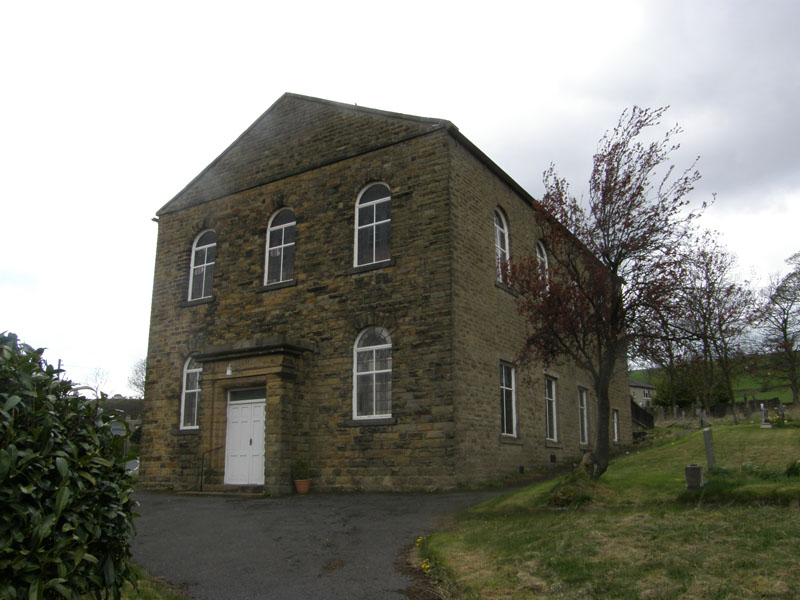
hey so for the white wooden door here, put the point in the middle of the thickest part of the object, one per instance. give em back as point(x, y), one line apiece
point(244, 443)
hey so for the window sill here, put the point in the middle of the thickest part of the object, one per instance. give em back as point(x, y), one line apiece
point(511, 440)
point(370, 267)
point(277, 286)
point(368, 422)
point(502, 286)
point(553, 444)
point(188, 303)
point(195, 431)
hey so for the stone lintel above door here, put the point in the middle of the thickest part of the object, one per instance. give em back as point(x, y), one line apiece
point(256, 346)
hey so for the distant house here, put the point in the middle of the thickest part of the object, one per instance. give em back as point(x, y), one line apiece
point(641, 392)
point(331, 289)
point(131, 409)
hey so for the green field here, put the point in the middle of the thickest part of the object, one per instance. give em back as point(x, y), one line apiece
point(637, 533)
point(746, 385)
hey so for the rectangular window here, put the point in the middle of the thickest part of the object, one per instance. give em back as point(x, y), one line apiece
point(550, 408)
point(615, 424)
point(583, 416)
point(508, 408)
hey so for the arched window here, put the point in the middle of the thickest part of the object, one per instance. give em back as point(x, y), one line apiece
point(201, 273)
point(373, 224)
point(280, 247)
point(500, 244)
point(372, 374)
point(190, 395)
point(541, 257)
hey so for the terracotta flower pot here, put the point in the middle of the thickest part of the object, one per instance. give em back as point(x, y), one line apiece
point(302, 485)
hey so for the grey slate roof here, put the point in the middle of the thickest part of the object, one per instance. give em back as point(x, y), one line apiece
point(632, 382)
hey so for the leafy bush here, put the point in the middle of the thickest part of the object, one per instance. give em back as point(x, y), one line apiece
point(793, 468)
point(573, 489)
point(300, 469)
point(760, 472)
point(136, 436)
point(65, 499)
point(778, 420)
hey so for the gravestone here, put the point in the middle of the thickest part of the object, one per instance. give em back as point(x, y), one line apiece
point(764, 423)
point(709, 443)
point(694, 477)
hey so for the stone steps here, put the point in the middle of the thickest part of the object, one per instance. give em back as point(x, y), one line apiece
point(240, 491)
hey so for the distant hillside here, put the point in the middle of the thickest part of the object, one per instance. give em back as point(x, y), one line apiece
point(644, 375)
point(755, 384)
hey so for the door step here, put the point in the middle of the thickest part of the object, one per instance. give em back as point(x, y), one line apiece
point(216, 489)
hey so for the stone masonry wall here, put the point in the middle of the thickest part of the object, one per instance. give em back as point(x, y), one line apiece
point(488, 330)
point(296, 135)
point(326, 308)
point(450, 321)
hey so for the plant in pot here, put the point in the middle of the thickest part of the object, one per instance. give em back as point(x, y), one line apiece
point(300, 476)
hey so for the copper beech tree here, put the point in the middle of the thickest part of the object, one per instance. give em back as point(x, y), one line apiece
point(612, 263)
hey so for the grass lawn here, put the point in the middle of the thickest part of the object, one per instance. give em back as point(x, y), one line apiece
point(637, 533)
point(150, 588)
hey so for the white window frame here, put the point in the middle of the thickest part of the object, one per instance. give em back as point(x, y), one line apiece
point(551, 409)
point(505, 392)
point(615, 424)
point(193, 393)
point(374, 372)
point(541, 258)
point(583, 416)
point(372, 204)
point(501, 244)
point(281, 248)
point(206, 269)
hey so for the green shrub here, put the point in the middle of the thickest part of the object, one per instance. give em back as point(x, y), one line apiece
point(777, 420)
point(65, 499)
point(761, 472)
point(301, 469)
point(574, 489)
point(793, 468)
point(136, 436)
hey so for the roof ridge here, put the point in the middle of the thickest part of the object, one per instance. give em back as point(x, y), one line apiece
point(375, 111)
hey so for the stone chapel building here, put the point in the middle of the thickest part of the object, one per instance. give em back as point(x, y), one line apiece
point(328, 290)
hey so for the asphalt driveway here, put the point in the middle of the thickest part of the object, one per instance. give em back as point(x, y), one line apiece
point(339, 546)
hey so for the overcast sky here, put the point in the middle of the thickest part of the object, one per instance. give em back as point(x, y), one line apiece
point(108, 109)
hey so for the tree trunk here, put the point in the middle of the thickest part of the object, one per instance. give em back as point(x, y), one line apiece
point(726, 368)
point(601, 446)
